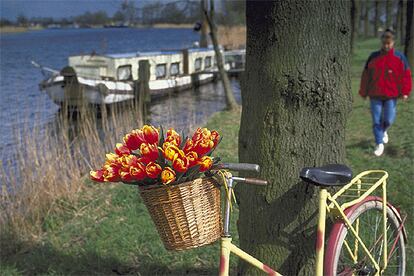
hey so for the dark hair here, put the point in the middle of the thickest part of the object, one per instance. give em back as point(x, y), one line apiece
point(390, 31)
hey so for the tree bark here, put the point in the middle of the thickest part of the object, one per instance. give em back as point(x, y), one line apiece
point(376, 17)
point(296, 98)
point(388, 14)
point(409, 33)
point(366, 18)
point(228, 91)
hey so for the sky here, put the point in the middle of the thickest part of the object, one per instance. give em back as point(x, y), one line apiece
point(10, 9)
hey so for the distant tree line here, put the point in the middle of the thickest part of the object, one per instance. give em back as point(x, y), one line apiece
point(175, 12)
point(370, 17)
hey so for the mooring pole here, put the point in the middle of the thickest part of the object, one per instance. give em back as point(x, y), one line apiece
point(144, 97)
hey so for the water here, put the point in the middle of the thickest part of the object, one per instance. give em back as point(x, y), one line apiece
point(22, 105)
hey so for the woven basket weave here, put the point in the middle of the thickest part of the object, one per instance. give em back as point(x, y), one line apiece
point(186, 215)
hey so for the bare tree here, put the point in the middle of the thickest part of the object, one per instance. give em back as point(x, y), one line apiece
point(204, 25)
point(376, 16)
point(388, 14)
point(366, 18)
point(354, 19)
point(409, 33)
point(228, 91)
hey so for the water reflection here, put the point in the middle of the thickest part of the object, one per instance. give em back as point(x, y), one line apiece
point(188, 109)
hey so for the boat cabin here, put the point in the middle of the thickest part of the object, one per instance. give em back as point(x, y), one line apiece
point(124, 67)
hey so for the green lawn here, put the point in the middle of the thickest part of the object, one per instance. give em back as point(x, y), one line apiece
point(108, 230)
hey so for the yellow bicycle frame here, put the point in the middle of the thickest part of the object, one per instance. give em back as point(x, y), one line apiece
point(327, 204)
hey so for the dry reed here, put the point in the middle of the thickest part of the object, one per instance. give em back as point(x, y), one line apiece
point(50, 164)
point(232, 37)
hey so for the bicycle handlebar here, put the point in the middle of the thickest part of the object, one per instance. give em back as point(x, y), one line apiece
point(238, 167)
point(254, 181)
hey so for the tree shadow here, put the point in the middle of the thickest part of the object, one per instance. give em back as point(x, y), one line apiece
point(295, 229)
point(44, 259)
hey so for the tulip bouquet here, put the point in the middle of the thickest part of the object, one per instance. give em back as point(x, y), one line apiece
point(146, 157)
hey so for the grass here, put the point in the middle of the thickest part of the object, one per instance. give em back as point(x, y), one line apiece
point(107, 229)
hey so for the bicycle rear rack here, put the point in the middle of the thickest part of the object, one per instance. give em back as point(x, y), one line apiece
point(367, 183)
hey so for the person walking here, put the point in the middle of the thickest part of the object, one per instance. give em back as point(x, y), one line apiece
point(385, 78)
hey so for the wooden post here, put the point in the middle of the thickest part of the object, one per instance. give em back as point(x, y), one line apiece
point(143, 90)
point(186, 70)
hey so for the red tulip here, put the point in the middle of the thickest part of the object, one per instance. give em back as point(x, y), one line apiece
point(192, 157)
point(201, 133)
point(205, 163)
point(173, 137)
point(203, 146)
point(189, 146)
point(134, 139)
point(171, 151)
point(149, 151)
point(138, 172)
point(167, 175)
point(97, 175)
point(122, 150)
point(215, 137)
point(133, 173)
point(180, 163)
point(151, 134)
point(111, 173)
point(153, 170)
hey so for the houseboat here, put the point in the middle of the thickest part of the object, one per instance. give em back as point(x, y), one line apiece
point(107, 79)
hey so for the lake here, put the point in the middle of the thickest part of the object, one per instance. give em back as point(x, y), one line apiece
point(22, 105)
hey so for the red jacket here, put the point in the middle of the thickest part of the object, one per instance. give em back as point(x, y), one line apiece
point(386, 75)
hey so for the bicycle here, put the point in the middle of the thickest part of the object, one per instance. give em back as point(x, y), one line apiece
point(367, 237)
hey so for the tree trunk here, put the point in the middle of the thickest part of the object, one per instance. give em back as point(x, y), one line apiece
point(296, 98)
point(402, 22)
point(388, 14)
point(409, 33)
point(399, 16)
point(376, 17)
point(366, 18)
point(204, 25)
point(354, 12)
point(228, 91)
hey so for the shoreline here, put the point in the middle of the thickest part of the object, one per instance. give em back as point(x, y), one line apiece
point(12, 29)
point(17, 29)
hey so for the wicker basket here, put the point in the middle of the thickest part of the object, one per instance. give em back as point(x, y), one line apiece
point(186, 215)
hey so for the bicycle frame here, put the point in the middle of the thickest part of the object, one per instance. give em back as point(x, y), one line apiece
point(328, 205)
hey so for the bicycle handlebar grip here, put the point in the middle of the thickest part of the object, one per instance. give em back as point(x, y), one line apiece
point(255, 181)
point(241, 167)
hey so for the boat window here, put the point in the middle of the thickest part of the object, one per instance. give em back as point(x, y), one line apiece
point(207, 62)
point(175, 69)
point(124, 72)
point(160, 71)
point(197, 64)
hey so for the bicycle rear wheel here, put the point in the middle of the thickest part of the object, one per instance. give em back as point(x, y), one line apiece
point(368, 217)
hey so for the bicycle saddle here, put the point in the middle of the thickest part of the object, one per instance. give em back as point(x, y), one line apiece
point(329, 175)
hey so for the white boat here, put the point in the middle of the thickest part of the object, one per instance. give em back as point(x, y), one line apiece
point(107, 79)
